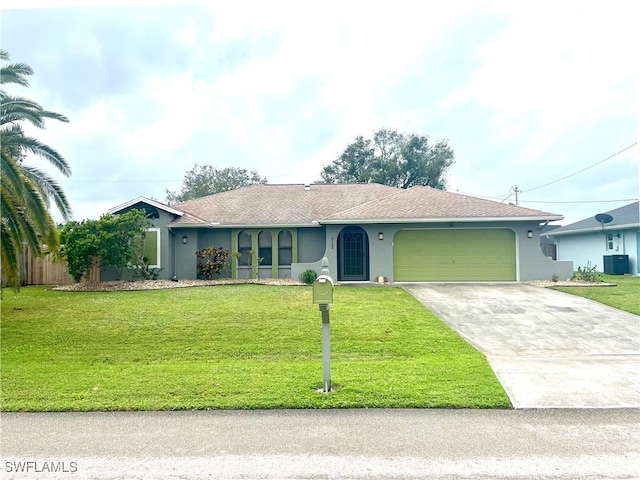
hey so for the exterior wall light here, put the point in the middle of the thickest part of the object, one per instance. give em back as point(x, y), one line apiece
point(530, 234)
point(380, 236)
point(184, 240)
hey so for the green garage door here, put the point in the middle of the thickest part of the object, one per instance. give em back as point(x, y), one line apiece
point(454, 255)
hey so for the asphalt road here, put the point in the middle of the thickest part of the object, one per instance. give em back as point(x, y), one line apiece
point(324, 444)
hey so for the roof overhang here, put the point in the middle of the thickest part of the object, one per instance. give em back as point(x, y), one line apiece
point(607, 228)
point(148, 201)
point(442, 220)
point(226, 225)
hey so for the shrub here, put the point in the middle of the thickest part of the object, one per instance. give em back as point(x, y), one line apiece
point(145, 272)
point(308, 276)
point(118, 240)
point(212, 261)
point(587, 274)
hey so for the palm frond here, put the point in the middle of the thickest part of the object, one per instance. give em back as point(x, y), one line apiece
point(34, 146)
point(16, 73)
point(17, 109)
point(25, 191)
point(49, 188)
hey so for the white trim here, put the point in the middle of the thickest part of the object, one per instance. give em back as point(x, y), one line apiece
point(148, 201)
point(243, 226)
point(408, 221)
point(627, 226)
point(370, 221)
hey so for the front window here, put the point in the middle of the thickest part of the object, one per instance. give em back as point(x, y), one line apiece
point(264, 247)
point(244, 247)
point(285, 251)
point(612, 241)
point(151, 250)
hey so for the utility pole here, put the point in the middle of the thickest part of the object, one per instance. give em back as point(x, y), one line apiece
point(516, 191)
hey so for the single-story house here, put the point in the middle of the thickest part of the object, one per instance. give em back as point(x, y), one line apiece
point(611, 246)
point(366, 231)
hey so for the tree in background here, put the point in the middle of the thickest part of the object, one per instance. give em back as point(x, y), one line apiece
point(392, 158)
point(117, 240)
point(203, 180)
point(25, 190)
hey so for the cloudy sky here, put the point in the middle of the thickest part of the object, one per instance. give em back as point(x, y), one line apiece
point(526, 93)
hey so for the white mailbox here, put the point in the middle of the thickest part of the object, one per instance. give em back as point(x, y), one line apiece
point(323, 290)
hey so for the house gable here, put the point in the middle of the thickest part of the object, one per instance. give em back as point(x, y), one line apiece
point(151, 207)
point(624, 217)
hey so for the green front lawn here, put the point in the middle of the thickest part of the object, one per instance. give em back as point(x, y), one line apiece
point(625, 296)
point(232, 346)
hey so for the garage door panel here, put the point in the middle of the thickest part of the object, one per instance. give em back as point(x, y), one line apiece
point(454, 255)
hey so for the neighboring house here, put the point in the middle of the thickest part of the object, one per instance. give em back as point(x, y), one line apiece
point(588, 241)
point(367, 232)
point(547, 244)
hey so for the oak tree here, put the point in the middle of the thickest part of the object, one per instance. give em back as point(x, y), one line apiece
point(203, 180)
point(392, 158)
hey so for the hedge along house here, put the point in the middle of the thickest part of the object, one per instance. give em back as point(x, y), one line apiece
point(367, 231)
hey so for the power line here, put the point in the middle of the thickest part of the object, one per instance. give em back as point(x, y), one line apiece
point(584, 169)
point(119, 181)
point(504, 198)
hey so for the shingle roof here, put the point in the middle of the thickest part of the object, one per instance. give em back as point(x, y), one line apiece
point(627, 216)
point(419, 203)
point(279, 204)
point(262, 205)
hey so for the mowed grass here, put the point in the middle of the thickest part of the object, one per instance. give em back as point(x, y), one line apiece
point(625, 296)
point(233, 347)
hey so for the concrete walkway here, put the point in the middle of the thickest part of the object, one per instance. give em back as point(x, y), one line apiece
point(547, 348)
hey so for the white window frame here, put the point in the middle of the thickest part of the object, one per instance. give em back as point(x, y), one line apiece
point(158, 250)
point(612, 244)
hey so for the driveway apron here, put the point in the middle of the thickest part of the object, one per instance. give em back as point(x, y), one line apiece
point(548, 349)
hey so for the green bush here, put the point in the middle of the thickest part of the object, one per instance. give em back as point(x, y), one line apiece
point(117, 240)
point(587, 274)
point(308, 276)
point(212, 261)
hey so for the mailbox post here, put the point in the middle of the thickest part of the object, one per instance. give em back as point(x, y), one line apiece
point(323, 296)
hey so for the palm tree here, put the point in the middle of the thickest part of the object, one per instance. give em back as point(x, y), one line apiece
point(25, 191)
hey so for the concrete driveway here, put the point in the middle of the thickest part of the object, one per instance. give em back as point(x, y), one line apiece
point(547, 348)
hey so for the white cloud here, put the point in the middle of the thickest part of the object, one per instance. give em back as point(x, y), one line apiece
point(283, 87)
point(566, 63)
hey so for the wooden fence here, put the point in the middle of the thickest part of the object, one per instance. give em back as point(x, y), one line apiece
point(43, 271)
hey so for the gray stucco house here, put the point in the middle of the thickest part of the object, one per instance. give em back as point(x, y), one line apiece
point(367, 231)
point(591, 242)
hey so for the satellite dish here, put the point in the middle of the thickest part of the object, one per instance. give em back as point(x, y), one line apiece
point(604, 218)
